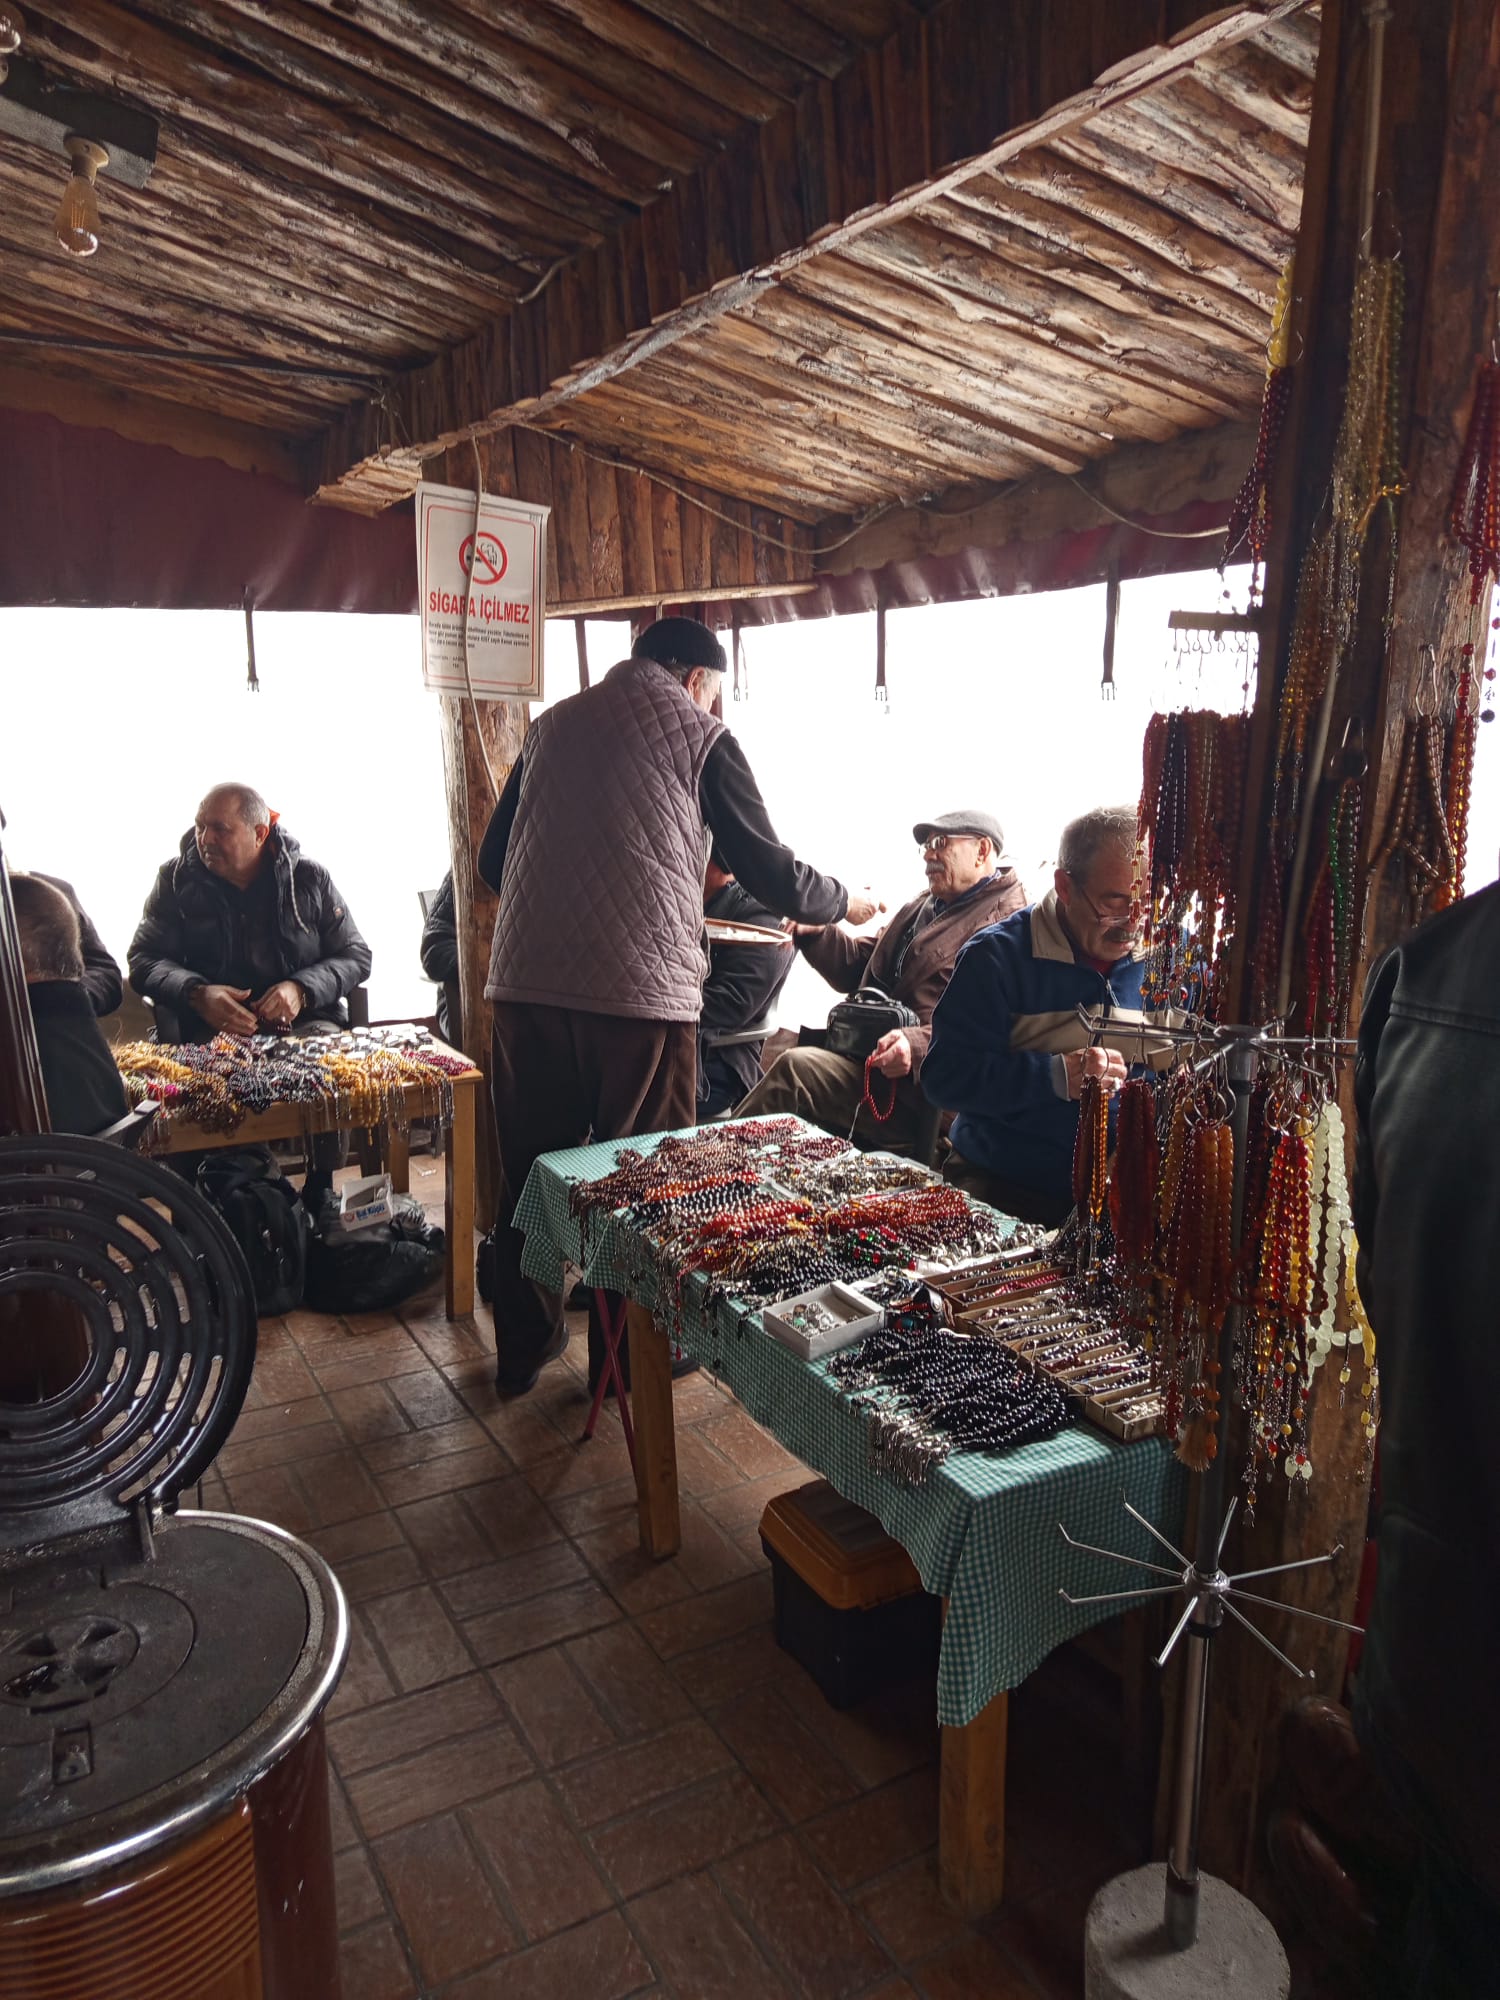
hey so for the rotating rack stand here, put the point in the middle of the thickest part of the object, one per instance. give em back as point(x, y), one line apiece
point(1210, 1595)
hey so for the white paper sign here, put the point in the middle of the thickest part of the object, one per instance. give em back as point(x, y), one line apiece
point(488, 589)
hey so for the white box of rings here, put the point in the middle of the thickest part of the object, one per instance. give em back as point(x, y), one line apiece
point(817, 1322)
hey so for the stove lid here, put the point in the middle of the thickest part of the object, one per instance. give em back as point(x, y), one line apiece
point(125, 1261)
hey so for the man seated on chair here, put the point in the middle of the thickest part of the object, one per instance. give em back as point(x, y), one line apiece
point(84, 1091)
point(969, 885)
point(439, 952)
point(101, 973)
point(741, 989)
point(1009, 1052)
point(243, 932)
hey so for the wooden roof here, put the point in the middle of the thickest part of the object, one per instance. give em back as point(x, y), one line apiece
point(357, 185)
point(817, 257)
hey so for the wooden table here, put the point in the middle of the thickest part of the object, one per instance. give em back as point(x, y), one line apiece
point(297, 1121)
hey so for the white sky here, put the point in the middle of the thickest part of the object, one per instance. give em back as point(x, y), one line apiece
point(114, 723)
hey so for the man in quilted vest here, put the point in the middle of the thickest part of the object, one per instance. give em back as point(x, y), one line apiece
point(597, 849)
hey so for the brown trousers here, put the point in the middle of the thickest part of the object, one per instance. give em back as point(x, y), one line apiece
point(561, 1078)
point(826, 1090)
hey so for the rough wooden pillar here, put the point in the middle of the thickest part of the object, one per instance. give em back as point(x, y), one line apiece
point(470, 801)
point(1439, 159)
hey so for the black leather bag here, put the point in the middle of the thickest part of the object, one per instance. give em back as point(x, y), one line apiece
point(855, 1025)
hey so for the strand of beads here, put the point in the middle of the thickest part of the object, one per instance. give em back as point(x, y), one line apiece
point(1091, 1164)
point(1250, 516)
point(880, 1113)
point(1187, 831)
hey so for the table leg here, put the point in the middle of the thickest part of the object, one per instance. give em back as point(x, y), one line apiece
point(971, 1826)
point(655, 1433)
point(396, 1146)
point(458, 1203)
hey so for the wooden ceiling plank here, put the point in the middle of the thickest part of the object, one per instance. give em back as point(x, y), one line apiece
point(784, 25)
point(1262, 178)
point(1042, 232)
point(1199, 202)
point(1273, 95)
point(836, 226)
point(328, 145)
point(758, 61)
point(1294, 40)
point(1091, 294)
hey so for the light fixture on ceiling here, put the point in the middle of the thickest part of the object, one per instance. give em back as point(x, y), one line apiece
point(12, 27)
point(77, 222)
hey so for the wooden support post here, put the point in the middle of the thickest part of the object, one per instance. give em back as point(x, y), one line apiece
point(459, 1191)
point(1439, 160)
point(655, 1432)
point(971, 1826)
point(470, 802)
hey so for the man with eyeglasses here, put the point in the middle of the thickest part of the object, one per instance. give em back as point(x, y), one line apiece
point(1009, 1053)
point(969, 885)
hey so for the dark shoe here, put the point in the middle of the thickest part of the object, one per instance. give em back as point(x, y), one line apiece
point(520, 1382)
point(580, 1298)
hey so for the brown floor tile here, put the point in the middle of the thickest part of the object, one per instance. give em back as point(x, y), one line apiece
point(374, 1966)
point(858, 1841)
point(902, 1989)
point(288, 1447)
point(275, 1419)
point(707, 1619)
point(343, 1831)
point(435, 1780)
point(907, 1912)
point(1044, 1934)
point(702, 1470)
point(371, 1322)
point(522, 1432)
point(540, 1621)
point(548, 1876)
point(636, 1581)
point(580, 1467)
point(364, 1678)
point(398, 1728)
point(448, 1343)
point(974, 1969)
point(417, 1639)
point(698, 1396)
point(372, 1364)
point(273, 1495)
point(356, 1891)
point(599, 1960)
point(884, 1738)
point(448, 1474)
point(443, 1899)
point(445, 1534)
point(494, 1585)
point(821, 1946)
point(426, 1399)
point(738, 1509)
point(555, 1711)
point(624, 1780)
point(627, 1680)
point(365, 1535)
point(379, 1572)
point(367, 1413)
point(696, 1827)
point(338, 1487)
point(600, 1507)
point(718, 1673)
point(283, 1378)
point(750, 1450)
point(701, 1946)
point(420, 1447)
point(511, 1516)
point(794, 1769)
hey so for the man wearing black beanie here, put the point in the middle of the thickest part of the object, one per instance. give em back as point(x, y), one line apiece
point(597, 850)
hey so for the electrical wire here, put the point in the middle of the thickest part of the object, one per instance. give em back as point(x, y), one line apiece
point(1162, 534)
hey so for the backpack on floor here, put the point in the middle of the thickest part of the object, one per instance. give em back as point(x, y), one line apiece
point(267, 1220)
point(371, 1270)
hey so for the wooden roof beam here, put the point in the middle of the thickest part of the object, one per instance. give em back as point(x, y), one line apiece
point(907, 122)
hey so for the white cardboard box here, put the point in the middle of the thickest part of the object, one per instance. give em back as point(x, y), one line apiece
point(857, 1315)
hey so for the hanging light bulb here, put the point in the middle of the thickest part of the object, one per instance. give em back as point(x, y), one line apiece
point(78, 213)
point(12, 27)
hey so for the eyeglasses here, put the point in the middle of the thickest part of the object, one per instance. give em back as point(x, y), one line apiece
point(939, 843)
point(1113, 909)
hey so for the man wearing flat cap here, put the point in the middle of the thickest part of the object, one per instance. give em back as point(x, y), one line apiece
point(969, 885)
point(598, 849)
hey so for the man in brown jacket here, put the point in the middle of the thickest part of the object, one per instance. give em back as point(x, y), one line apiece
point(968, 887)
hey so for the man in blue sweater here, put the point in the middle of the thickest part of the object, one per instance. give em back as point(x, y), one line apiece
point(1009, 1053)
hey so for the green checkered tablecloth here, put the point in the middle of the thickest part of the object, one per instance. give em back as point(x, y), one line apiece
point(982, 1530)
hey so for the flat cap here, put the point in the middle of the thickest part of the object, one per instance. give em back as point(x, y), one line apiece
point(679, 642)
point(961, 822)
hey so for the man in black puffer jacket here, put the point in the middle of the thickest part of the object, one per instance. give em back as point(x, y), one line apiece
point(242, 932)
point(1427, 1090)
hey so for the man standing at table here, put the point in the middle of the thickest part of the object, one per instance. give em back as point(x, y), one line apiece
point(243, 932)
point(597, 849)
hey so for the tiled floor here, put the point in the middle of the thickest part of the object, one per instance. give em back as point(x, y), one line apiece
point(564, 1770)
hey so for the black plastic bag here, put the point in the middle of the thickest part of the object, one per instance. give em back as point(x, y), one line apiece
point(370, 1270)
point(267, 1220)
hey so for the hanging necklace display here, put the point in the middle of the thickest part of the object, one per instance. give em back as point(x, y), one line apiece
point(1250, 516)
point(1334, 923)
point(1187, 830)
